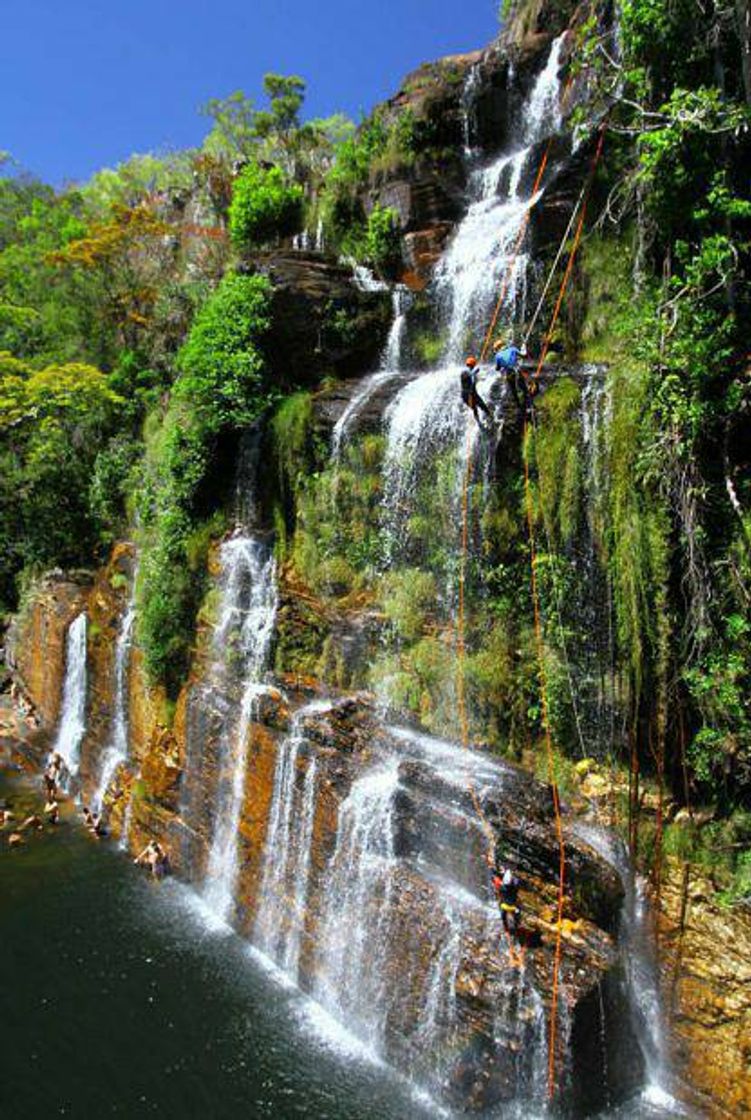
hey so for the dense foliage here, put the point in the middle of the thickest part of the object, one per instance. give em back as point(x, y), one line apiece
point(264, 205)
point(132, 354)
point(220, 389)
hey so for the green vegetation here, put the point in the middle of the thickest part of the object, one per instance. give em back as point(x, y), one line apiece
point(263, 206)
point(220, 388)
point(133, 354)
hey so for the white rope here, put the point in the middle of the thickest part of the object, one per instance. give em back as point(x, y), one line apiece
point(556, 262)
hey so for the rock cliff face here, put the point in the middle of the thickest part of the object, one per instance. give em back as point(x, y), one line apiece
point(706, 965)
point(359, 842)
point(172, 779)
point(322, 323)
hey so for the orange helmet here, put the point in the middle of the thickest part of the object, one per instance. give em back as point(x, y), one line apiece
point(471, 362)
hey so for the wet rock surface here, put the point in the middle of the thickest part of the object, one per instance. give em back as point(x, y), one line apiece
point(35, 641)
point(322, 323)
point(705, 952)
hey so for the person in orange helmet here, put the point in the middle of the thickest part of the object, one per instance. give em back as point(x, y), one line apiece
point(470, 396)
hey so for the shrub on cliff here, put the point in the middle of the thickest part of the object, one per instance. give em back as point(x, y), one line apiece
point(220, 364)
point(220, 388)
point(264, 206)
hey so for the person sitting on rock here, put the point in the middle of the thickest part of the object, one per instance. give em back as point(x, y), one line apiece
point(470, 396)
point(93, 823)
point(52, 811)
point(96, 828)
point(155, 858)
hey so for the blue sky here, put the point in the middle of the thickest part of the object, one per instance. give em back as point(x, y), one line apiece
point(84, 84)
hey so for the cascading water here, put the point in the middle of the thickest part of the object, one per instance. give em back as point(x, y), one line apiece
point(637, 948)
point(116, 752)
point(243, 636)
point(354, 942)
point(389, 367)
point(280, 917)
point(427, 419)
point(73, 715)
point(469, 100)
point(480, 257)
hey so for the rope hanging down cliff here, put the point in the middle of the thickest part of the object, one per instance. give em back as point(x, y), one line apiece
point(542, 673)
point(461, 698)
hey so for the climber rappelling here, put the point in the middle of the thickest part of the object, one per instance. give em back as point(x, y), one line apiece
point(470, 396)
point(507, 359)
point(506, 886)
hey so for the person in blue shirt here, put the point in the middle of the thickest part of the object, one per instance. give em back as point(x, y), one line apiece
point(507, 358)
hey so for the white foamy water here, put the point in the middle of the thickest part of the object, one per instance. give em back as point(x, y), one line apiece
point(244, 633)
point(116, 751)
point(354, 941)
point(280, 916)
point(72, 725)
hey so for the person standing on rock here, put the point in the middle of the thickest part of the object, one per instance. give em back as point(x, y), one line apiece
point(507, 356)
point(470, 396)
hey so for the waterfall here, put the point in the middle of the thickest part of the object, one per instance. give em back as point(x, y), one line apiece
point(588, 609)
point(354, 941)
point(479, 257)
point(391, 358)
point(469, 98)
point(640, 967)
point(280, 918)
point(116, 751)
point(242, 642)
point(388, 367)
point(427, 418)
point(364, 277)
point(73, 715)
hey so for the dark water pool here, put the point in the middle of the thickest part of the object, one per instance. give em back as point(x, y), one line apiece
point(118, 1000)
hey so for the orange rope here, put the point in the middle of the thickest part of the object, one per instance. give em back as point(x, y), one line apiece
point(515, 252)
point(572, 255)
point(545, 719)
point(520, 236)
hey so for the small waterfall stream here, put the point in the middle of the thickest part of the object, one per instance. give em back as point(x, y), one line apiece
point(72, 725)
point(280, 917)
point(116, 751)
point(242, 639)
point(637, 949)
point(389, 367)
